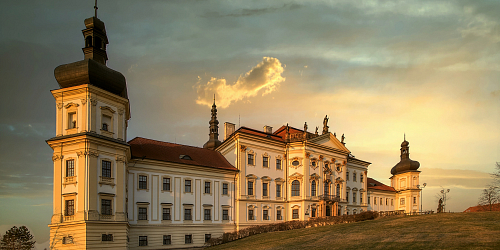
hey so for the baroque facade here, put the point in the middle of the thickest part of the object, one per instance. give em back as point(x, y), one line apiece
point(148, 194)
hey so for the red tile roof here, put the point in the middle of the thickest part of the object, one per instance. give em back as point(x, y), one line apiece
point(171, 152)
point(494, 207)
point(373, 184)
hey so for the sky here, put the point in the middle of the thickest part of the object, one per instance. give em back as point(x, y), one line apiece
point(378, 69)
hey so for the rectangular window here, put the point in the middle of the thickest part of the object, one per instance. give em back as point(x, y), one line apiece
point(361, 179)
point(295, 214)
point(265, 161)
point(143, 182)
point(347, 196)
point(207, 237)
point(368, 200)
point(166, 213)
point(207, 187)
point(353, 176)
point(278, 190)
point(250, 187)
point(392, 202)
point(250, 214)
point(313, 212)
point(106, 207)
point(70, 168)
point(187, 186)
point(188, 239)
point(187, 214)
point(106, 169)
point(225, 214)
point(375, 201)
point(67, 240)
point(207, 214)
point(250, 159)
point(143, 240)
point(167, 239)
point(278, 164)
point(414, 200)
point(354, 197)
point(402, 201)
point(278, 215)
point(70, 207)
point(381, 201)
point(386, 201)
point(265, 214)
point(143, 213)
point(361, 199)
point(166, 184)
point(225, 188)
point(264, 189)
point(107, 237)
point(347, 176)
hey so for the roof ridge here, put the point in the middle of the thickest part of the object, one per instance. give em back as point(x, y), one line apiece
point(138, 137)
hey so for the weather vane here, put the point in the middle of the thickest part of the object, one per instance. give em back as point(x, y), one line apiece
point(95, 8)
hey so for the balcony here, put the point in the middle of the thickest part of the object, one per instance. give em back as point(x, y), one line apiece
point(69, 180)
point(106, 217)
point(329, 198)
point(106, 180)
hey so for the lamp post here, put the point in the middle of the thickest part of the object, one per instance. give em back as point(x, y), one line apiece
point(421, 194)
point(444, 192)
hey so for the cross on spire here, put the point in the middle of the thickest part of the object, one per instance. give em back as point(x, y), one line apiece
point(95, 8)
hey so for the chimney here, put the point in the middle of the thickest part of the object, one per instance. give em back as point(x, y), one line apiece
point(268, 129)
point(228, 129)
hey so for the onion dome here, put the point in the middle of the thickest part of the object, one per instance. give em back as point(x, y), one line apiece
point(92, 70)
point(406, 164)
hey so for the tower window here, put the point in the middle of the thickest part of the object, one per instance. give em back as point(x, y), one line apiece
point(98, 42)
point(106, 169)
point(70, 168)
point(88, 41)
point(106, 120)
point(71, 120)
point(70, 207)
point(106, 207)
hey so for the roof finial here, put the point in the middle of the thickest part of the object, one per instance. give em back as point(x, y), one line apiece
point(95, 8)
point(214, 93)
point(404, 136)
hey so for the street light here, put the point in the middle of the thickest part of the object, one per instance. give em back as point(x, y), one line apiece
point(421, 195)
point(444, 196)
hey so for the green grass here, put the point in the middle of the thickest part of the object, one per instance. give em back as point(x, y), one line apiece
point(437, 231)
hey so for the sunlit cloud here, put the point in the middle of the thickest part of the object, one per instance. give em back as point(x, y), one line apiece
point(263, 78)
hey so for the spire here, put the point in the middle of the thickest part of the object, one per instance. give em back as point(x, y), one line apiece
point(405, 149)
point(213, 140)
point(95, 8)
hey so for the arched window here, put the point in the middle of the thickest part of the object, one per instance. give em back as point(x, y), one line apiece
point(88, 41)
point(338, 190)
point(327, 188)
point(295, 188)
point(98, 42)
point(313, 188)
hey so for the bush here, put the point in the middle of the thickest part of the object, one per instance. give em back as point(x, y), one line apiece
point(290, 225)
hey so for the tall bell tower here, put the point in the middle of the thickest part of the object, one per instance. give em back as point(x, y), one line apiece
point(90, 150)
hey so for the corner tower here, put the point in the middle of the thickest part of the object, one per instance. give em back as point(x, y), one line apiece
point(213, 141)
point(90, 150)
point(405, 180)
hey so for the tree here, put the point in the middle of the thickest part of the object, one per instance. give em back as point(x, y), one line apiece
point(489, 196)
point(17, 238)
point(496, 174)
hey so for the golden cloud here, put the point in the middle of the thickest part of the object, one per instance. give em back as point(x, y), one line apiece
point(263, 78)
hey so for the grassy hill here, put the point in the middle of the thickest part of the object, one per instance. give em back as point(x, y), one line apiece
point(437, 231)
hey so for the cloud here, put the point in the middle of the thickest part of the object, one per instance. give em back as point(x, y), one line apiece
point(263, 78)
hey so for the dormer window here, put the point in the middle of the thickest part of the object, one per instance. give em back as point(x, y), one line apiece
point(185, 157)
